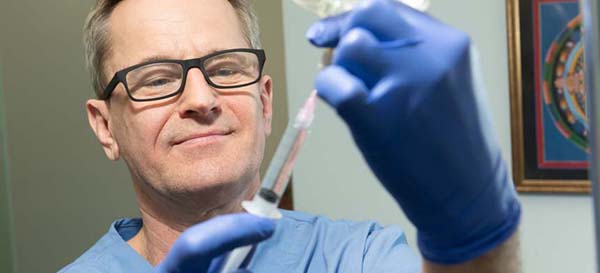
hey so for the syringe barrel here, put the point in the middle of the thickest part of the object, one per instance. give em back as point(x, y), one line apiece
point(278, 173)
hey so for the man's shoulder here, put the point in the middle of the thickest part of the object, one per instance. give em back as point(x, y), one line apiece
point(111, 253)
point(76, 267)
point(328, 233)
point(304, 241)
point(93, 258)
point(320, 224)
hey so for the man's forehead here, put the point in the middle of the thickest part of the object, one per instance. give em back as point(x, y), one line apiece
point(146, 29)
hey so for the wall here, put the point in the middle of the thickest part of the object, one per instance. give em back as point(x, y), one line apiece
point(6, 235)
point(271, 26)
point(65, 193)
point(332, 179)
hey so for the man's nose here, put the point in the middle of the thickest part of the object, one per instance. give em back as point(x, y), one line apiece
point(198, 97)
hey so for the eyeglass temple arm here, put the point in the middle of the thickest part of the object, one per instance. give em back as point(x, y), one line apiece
point(110, 88)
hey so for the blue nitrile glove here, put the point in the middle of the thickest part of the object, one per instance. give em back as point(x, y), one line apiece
point(403, 83)
point(201, 248)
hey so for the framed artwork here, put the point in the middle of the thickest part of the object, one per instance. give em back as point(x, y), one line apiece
point(547, 94)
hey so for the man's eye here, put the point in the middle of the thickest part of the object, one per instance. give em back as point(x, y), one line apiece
point(158, 82)
point(224, 72)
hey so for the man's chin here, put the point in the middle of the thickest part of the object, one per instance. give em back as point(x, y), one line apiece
point(207, 189)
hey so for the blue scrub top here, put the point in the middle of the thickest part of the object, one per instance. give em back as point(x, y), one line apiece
point(301, 243)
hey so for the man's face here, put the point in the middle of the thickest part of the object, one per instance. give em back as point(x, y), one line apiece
point(203, 139)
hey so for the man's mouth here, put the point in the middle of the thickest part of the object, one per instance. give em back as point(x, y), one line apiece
point(203, 137)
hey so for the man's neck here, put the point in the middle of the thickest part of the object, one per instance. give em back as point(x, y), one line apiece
point(163, 225)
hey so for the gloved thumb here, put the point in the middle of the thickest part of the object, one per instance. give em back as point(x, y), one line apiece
point(196, 248)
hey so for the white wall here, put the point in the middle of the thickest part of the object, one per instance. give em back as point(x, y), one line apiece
point(332, 179)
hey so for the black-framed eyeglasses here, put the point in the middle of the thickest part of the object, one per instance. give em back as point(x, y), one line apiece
point(155, 80)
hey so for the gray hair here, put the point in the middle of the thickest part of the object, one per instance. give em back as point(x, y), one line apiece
point(96, 38)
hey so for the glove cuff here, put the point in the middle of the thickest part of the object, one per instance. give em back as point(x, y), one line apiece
point(474, 247)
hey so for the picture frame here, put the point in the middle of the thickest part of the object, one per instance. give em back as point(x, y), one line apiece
point(547, 96)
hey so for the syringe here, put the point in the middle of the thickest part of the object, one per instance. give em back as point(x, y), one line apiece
point(276, 179)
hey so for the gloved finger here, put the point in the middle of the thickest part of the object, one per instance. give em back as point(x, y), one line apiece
point(216, 264)
point(387, 20)
point(348, 95)
point(198, 245)
point(327, 32)
point(336, 86)
point(359, 54)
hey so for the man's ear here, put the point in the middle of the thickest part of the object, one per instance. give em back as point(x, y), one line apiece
point(99, 118)
point(266, 96)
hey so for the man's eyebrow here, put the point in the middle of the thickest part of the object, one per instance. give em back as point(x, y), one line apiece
point(155, 58)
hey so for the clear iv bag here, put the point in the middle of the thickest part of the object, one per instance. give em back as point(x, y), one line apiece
point(324, 8)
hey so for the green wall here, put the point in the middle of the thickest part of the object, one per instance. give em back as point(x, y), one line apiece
point(6, 236)
point(65, 193)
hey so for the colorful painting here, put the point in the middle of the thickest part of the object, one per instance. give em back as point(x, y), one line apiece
point(548, 96)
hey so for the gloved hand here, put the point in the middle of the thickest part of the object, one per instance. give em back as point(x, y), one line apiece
point(201, 248)
point(403, 83)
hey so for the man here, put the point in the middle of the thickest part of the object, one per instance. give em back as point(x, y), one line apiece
point(182, 100)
